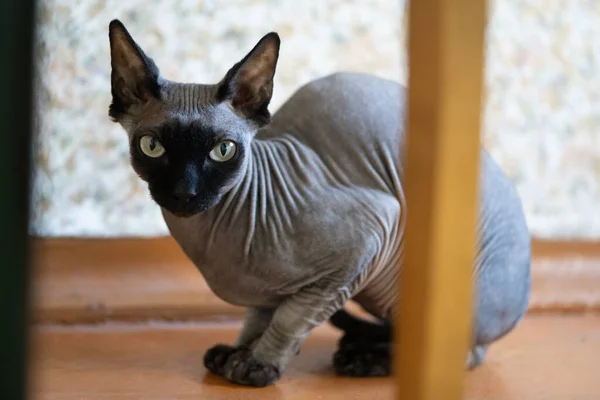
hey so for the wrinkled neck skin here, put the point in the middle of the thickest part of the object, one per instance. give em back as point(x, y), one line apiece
point(230, 226)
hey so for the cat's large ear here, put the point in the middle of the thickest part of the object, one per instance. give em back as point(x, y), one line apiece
point(134, 76)
point(249, 84)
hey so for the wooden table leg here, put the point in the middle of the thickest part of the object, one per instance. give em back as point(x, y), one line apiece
point(446, 43)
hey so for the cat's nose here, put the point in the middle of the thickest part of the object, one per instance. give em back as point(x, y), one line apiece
point(187, 186)
point(185, 192)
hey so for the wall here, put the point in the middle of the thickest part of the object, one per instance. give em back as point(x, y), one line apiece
point(542, 99)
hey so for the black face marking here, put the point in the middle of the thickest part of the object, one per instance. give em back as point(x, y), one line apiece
point(185, 180)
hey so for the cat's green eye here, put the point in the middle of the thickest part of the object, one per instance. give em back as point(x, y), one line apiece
point(223, 151)
point(151, 147)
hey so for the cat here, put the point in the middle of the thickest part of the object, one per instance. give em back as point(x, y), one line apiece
point(294, 214)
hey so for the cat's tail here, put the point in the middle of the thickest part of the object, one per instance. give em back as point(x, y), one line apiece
point(350, 324)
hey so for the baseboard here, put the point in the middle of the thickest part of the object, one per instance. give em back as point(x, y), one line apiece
point(94, 280)
point(566, 276)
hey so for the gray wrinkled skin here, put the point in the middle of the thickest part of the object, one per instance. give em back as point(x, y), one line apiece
point(316, 217)
point(315, 214)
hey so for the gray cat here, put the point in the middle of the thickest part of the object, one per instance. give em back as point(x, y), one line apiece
point(293, 215)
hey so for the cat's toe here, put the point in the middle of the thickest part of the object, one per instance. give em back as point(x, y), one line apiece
point(216, 357)
point(243, 368)
point(363, 360)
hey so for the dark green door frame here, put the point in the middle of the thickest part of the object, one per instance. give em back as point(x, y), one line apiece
point(16, 73)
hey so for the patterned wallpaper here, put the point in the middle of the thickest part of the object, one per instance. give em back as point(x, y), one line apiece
point(542, 99)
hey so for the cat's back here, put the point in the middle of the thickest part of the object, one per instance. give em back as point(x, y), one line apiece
point(348, 104)
point(352, 122)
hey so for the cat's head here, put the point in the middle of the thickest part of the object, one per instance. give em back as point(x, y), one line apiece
point(189, 142)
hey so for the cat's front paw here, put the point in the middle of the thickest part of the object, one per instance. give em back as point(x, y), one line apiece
point(216, 357)
point(245, 369)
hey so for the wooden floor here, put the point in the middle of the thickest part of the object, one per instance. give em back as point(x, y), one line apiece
point(549, 357)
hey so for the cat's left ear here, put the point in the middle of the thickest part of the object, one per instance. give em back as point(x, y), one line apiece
point(249, 84)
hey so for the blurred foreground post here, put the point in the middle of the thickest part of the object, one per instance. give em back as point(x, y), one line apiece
point(446, 43)
point(16, 69)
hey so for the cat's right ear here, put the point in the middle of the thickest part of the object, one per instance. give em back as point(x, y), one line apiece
point(134, 76)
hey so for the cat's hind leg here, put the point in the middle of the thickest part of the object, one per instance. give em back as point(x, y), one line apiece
point(365, 348)
point(358, 357)
point(501, 303)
